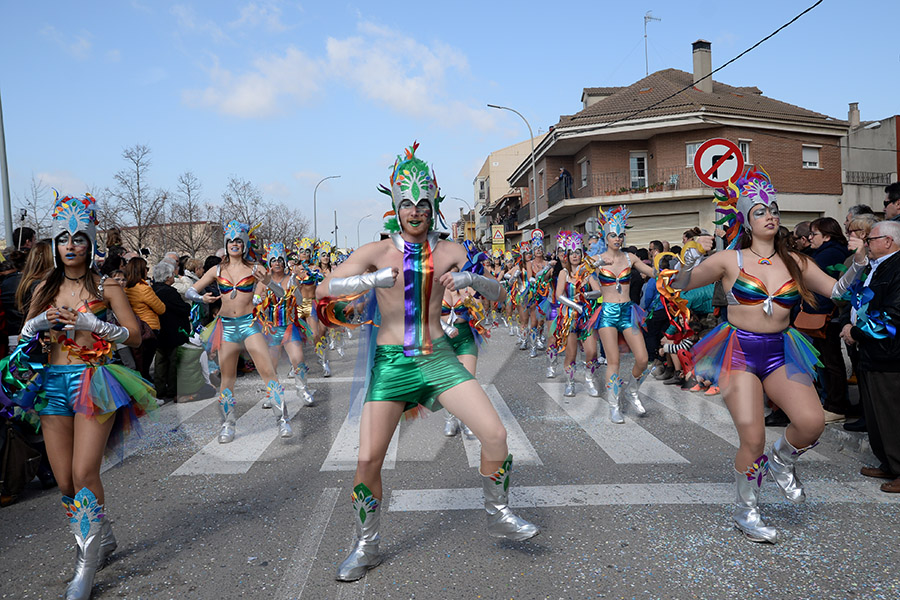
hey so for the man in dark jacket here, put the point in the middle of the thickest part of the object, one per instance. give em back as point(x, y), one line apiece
point(879, 352)
point(174, 325)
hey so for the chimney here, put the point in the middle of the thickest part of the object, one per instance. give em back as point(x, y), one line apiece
point(703, 65)
point(853, 115)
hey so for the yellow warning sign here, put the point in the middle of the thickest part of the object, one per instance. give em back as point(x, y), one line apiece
point(497, 234)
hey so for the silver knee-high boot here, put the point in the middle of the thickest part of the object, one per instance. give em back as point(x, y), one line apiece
point(451, 425)
point(365, 554)
point(552, 361)
point(570, 380)
point(746, 507)
point(783, 471)
point(501, 521)
point(108, 543)
point(532, 343)
point(612, 398)
point(590, 368)
point(275, 392)
point(541, 339)
point(322, 353)
point(86, 519)
point(226, 411)
point(303, 390)
point(630, 392)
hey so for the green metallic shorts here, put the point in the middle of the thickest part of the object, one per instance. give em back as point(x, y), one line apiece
point(415, 380)
point(464, 342)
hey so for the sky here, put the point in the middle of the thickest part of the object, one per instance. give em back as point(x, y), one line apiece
point(284, 93)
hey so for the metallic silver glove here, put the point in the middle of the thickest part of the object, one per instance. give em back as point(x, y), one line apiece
point(257, 299)
point(692, 258)
point(841, 285)
point(87, 321)
point(571, 304)
point(354, 284)
point(449, 330)
point(486, 286)
point(592, 295)
point(276, 289)
point(35, 325)
point(193, 295)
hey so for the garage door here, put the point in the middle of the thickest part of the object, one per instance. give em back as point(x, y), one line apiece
point(660, 227)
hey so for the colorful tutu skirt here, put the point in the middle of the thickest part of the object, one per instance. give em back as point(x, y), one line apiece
point(727, 348)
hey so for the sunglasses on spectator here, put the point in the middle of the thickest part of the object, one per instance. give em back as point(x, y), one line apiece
point(877, 237)
point(889, 201)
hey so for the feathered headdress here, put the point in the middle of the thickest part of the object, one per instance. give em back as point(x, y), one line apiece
point(615, 220)
point(413, 180)
point(734, 202)
point(574, 241)
point(306, 244)
point(537, 239)
point(274, 252)
point(474, 258)
point(75, 215)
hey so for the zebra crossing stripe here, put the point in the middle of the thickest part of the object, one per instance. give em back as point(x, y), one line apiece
point(516, 440)
point(626, 443)
point(617, 494)
point(710, 415)
point(345, 449)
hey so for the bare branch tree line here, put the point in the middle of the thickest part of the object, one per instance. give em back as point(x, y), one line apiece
point(180, 220)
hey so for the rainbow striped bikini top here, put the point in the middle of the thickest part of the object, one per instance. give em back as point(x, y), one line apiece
point(608, 278)
point(461, 310)
point(245, 285)
point(750, 291)
point(98, 307)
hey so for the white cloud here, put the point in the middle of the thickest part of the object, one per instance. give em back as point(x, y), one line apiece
point(263, 91)
point(65, 182)
point(78, 47)
point(266, 14)
point(188, 20)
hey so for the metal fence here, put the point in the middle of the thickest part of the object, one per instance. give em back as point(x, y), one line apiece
point(613, 183)
point(867, 178)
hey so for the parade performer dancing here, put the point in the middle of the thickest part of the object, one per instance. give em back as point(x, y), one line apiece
point(236, 278)
point(756, 351)
point(576, 292)
point(84, 403)
point(619, 316)
point(465, 325)
point(414, 365)
point(309, 276)
point(540, 297)
point(560, 262)
point(508, 281)
point(280, 322)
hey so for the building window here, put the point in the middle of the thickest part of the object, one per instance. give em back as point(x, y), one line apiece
point(583, 165)
point(690, 151)
point(541, 179)
point(810, 157)
point(744, 145)
point(638, 162)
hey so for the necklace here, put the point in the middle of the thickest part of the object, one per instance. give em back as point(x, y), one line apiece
point(763, 260)
point(73, 278)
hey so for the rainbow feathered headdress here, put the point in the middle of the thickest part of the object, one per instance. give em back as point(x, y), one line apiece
point(614, 220)
point(75, 215)
point(413, 180)
point(734, 202)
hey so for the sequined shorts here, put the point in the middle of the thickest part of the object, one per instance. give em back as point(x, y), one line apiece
point(61, 384)
point(238, 329)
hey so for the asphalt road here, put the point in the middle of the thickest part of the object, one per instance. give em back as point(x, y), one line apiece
point(639, 510)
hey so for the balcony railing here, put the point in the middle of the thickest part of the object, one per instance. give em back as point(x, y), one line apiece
point(614, 183)
point(524, 214)
point(556, 192)
point(867, 178)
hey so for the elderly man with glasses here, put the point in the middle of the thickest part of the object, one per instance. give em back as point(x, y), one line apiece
point(876, 316)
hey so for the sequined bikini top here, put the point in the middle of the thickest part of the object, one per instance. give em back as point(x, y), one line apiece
point(245, 285)
point(750, 291)
point(608, 278)
point(461, 310)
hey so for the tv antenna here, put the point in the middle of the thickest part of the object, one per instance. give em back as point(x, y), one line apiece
point(647, 18)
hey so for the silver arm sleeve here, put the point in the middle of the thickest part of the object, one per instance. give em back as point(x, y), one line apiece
point(486, 286)
point(592, 295)
point(257, 299)
point(345, 286)
point(86, 321)
point(692, 258)
point(571, 304)
point(193, 295)
point(449, 330)
point(276, 289)
point(841, 285)
point(35, 325)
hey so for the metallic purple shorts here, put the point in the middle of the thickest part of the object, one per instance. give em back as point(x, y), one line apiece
point(759, 353)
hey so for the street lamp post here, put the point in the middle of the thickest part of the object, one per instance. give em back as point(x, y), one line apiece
point(468, 207)
point(537, 224)
point(357, 228)
point(315, 221)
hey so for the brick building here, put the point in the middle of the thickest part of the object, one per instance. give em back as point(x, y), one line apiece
point(635, 145)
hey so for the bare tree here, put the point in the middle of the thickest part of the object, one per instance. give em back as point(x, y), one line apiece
point(277, 222)
point(191, 219)
point(37, 206)
point(135, 207)
point(283, 224)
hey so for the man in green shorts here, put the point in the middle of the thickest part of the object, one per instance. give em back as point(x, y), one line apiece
point(414, 365)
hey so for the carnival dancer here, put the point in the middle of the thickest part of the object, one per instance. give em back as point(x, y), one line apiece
point(507, 280)
point(309, 276)
point(618, 315)
point(558, 263)
point(522, 291)
point(756, 351)
point(496, 271)
point(325, 262)
point(465, 325)
point(541, 296)
point(282, 326)
point(576, 291)
point(414, 365)
point(84, 403)
point(236, 278)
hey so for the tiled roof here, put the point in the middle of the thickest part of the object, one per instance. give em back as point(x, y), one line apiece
point(600, 91)
point(745, 101)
